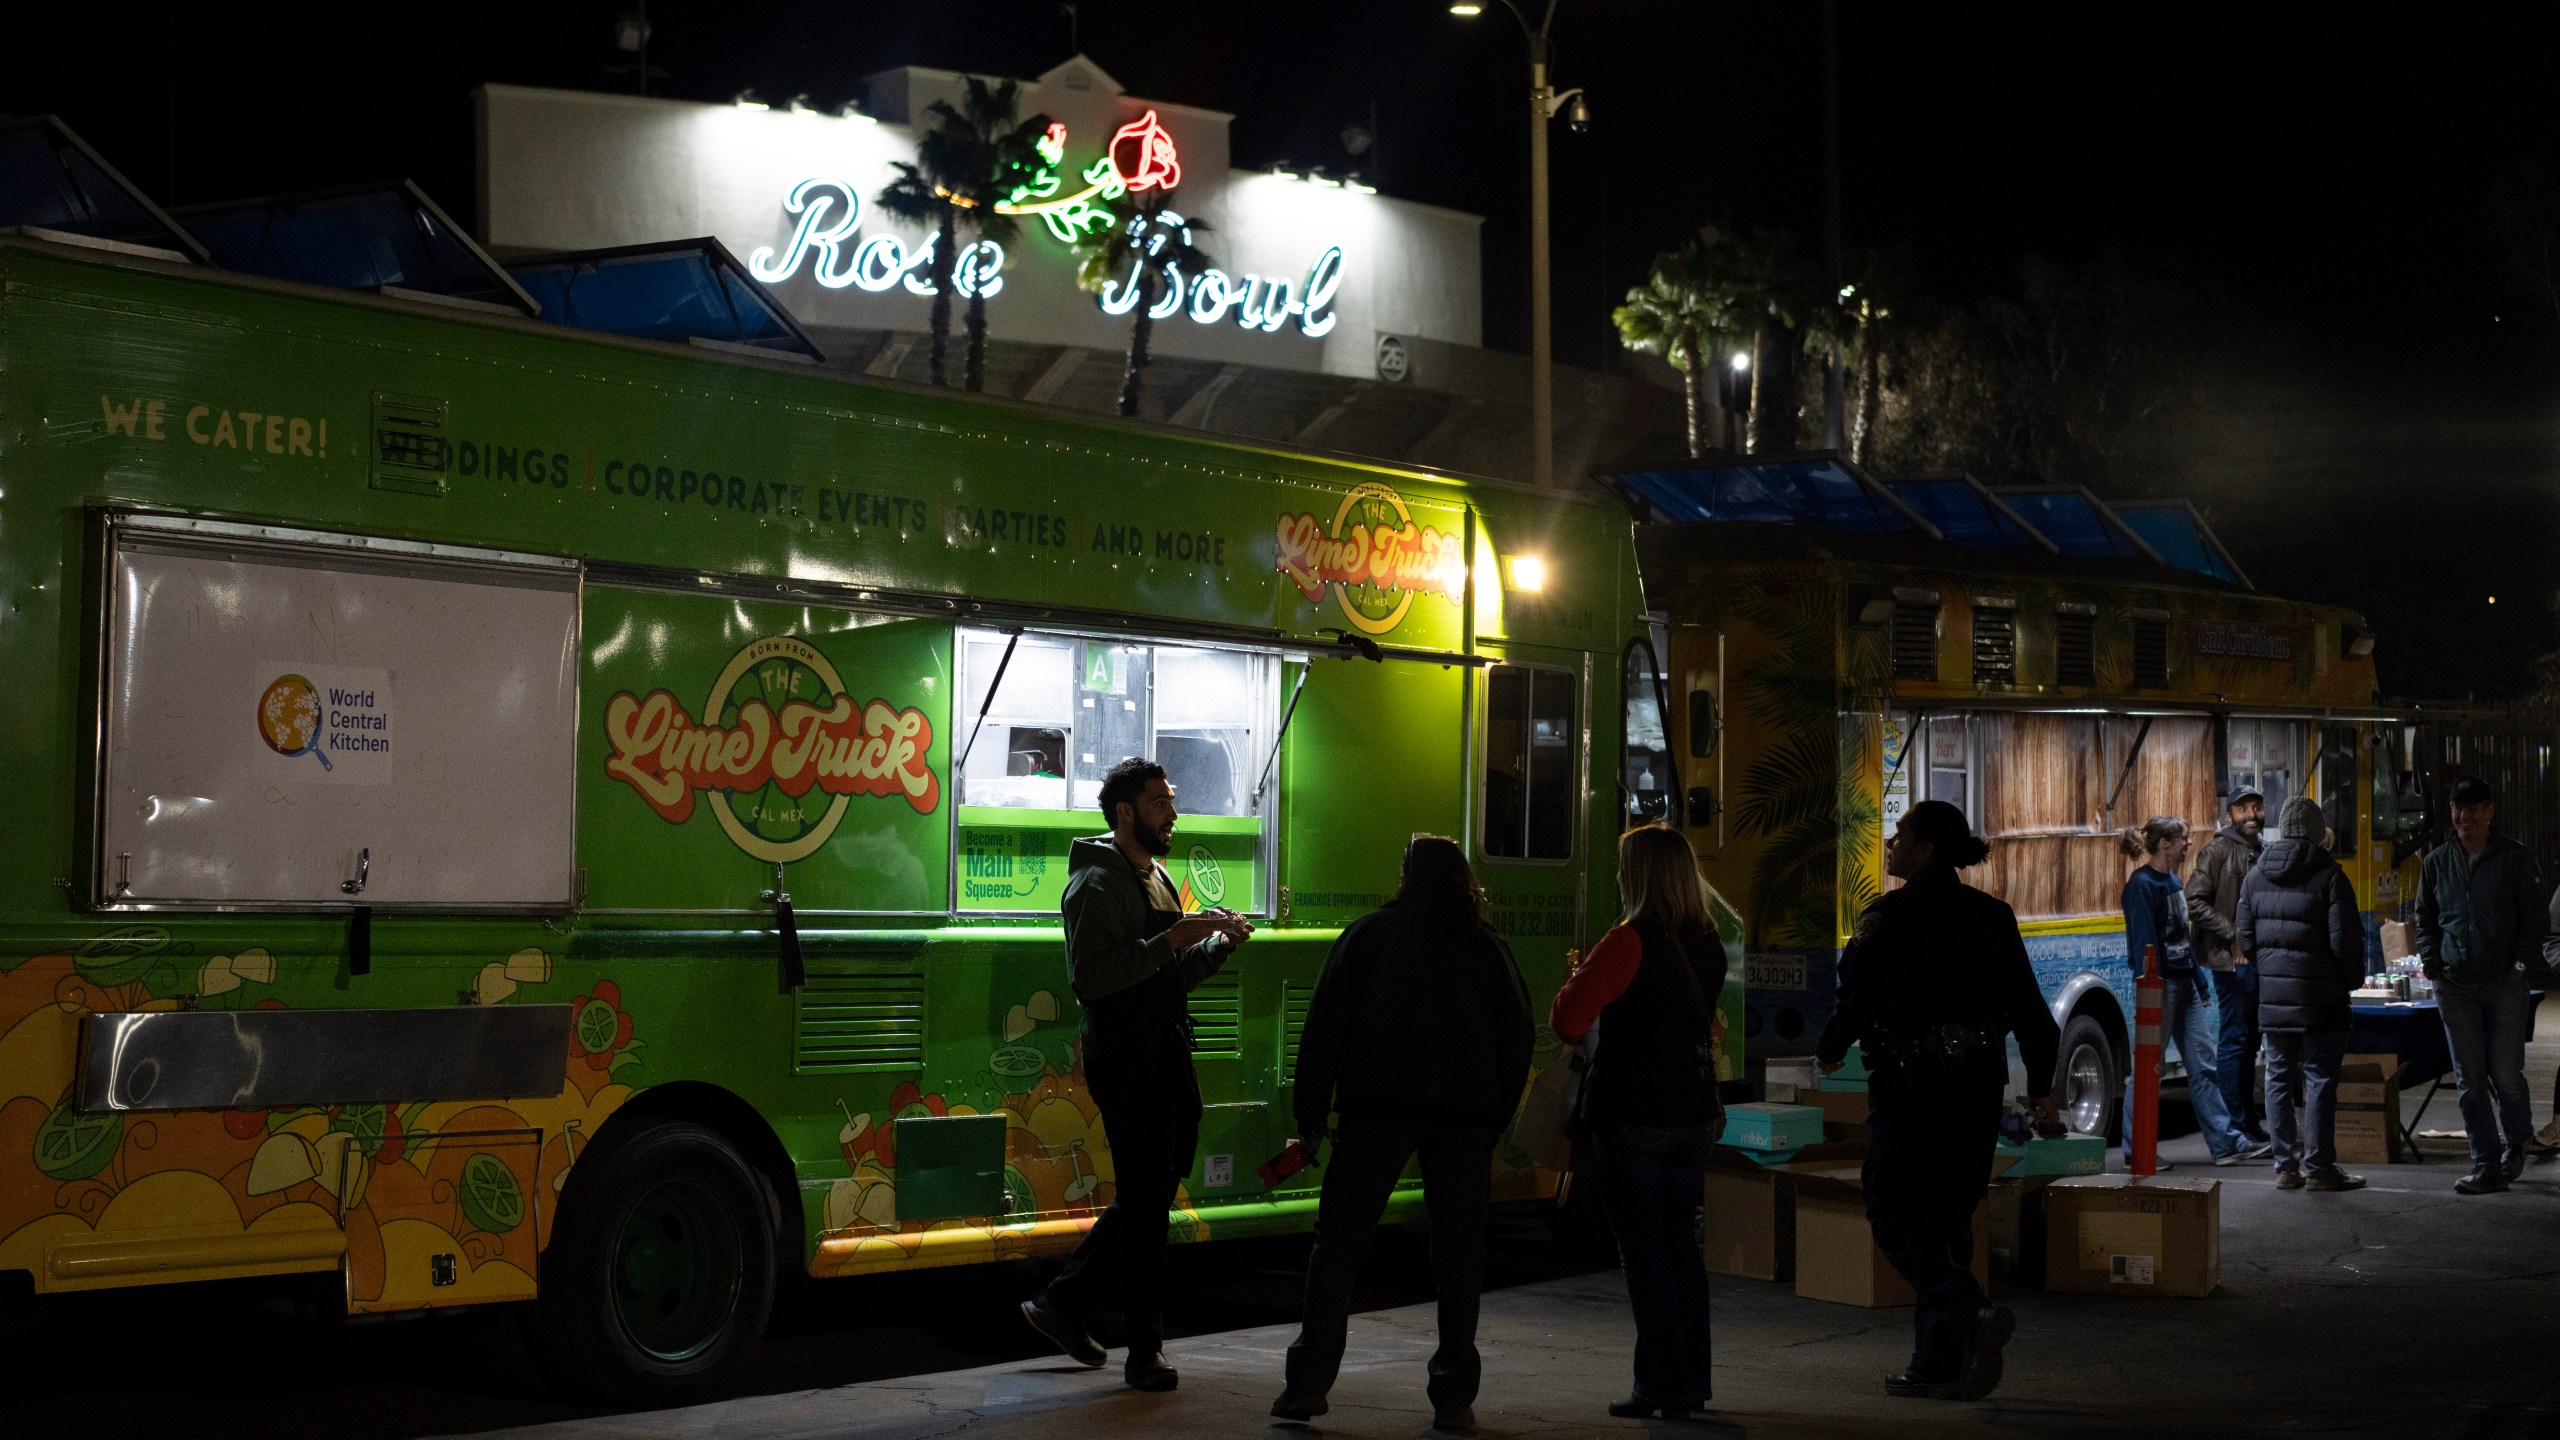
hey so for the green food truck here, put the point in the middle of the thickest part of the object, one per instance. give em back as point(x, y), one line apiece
point(502, 813)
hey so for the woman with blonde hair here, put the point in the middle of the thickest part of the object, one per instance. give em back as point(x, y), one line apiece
point(2155, 919)
point(1651, 1106)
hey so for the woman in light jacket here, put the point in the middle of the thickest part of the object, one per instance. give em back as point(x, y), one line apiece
point(1650, 1102)
point(2155, 917)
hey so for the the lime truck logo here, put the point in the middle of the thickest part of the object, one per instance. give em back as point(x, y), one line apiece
point(781, 745)
point(1375, 557)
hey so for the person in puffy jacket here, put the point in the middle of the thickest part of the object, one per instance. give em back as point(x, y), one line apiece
point(2299, 924)
point(1650, 1101)
point(1418, 1037)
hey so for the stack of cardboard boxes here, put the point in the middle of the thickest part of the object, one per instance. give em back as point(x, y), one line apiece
point(2369, 1110)
point(1785, 1202)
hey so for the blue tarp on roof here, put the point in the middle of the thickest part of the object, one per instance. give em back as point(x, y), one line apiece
point(2179, 534)
point(2073, 519)
point(380, 237)
point(50, 179)
point(1966, 513)
point(1819, 492)
point(680, 290)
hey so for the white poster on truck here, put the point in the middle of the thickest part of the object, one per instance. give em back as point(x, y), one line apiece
point(318, 721)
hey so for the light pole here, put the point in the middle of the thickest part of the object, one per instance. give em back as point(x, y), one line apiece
point(1545, 103)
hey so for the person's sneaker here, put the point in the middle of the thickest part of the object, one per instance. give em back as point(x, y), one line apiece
point(2161, 1164)
point(1909, 1385)
point(1067, 1334)
point(2289, 1178)
point(1301, 1408)
point(2511, 1163)
point(2331, 1178)
point(2548, 1137)
point(2485, 1180)
point(1150, 1372)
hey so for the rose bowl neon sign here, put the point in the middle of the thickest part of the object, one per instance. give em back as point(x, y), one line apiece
point(827, 216)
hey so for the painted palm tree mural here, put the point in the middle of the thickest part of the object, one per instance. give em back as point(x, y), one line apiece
point(1799, 796)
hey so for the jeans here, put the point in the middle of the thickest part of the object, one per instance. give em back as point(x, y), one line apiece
point(2188, 1015)
point(1151, 1117)
point(1457, 1192)
point(2486, 1026)
point(1929, 1147)
point(1655, 1184)
point(2235, 1063)
point(2302, 1073)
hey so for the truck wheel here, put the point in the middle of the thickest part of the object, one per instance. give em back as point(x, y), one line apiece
point(2088, 1081)
point(660, 1279)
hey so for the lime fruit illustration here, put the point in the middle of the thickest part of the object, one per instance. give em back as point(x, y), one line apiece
point(1373, 605)
point(120, 956)
point(1208, 880)
point(289, 714)
point(1019, 1199)
point(777, 680)
point(75, 1144)
point(1017, 1062)
point(599, 1025)
point(367, 1124)
point(491, 1199)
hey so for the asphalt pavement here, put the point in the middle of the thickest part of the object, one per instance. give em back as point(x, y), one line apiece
point(2401, 1311)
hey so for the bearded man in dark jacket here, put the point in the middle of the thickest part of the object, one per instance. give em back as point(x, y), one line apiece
point(2298, 923)
point(2213, 901)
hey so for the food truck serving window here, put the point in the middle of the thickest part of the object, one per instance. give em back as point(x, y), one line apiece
point(1065, 710)
point(1529, 724)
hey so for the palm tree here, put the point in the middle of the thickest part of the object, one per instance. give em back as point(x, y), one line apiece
point(973, 157)
point(1136, 267)
point(1681, 312)
point(1770, 277)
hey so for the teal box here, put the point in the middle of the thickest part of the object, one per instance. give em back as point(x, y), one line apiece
point(2070, 1155)
point(1842, 1084)
point(1852, 1072)
point(1764, 1125)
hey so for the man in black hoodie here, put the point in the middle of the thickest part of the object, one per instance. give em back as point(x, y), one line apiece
point(1134, 958)
point(2298, 923)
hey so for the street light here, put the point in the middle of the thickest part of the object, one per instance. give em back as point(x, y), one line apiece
point(1545, 103)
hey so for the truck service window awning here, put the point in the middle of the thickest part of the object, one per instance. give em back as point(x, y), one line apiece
point(2179, 534)
point(390, 239)
point(1968, 514)
point(50, 180)
point(1816, 491)
point(2074, 519)
point(678, 290)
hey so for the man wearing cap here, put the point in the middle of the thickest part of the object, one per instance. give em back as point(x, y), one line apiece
point(2480, 926)
point(2213, 899)
point(2299, 925)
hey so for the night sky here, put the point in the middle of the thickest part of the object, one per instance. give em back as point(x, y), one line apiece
point(2381, 430)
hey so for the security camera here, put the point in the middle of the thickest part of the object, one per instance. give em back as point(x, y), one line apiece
point(1577, 116)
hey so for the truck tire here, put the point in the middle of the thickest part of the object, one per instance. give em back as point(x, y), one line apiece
point(659, 1282)
point(2088, 1078)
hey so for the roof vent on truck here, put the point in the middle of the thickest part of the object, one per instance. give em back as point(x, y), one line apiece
point(684, 291)
point(390, 239)
point(54, 187)
point(1818, 491)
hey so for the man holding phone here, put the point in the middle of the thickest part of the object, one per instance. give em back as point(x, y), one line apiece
point(1134, 959)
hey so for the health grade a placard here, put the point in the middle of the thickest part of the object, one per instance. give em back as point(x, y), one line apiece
point(321, 724)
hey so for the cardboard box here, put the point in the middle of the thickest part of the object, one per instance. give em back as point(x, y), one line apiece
point(1836, 1256)
point(1795, 1076)
point(2133, 1235)
point(1751, 1218)
point(1761, 1125)
point(1842, 1107)
point(2368, 1130)
point(2070, 1155)
point(2013, 1214)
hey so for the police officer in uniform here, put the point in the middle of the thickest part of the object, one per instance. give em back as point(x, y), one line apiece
point(1934, 979)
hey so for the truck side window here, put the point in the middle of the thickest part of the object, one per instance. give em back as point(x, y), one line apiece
point(1530, 742)
point(1647, 781)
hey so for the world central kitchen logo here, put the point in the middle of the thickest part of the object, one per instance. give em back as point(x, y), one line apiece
point(1376, 557)
point(780, 744)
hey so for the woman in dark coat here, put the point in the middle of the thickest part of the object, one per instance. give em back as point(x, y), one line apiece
point(1932, 981)
point(1650, 1101)
point(1418, 1037)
